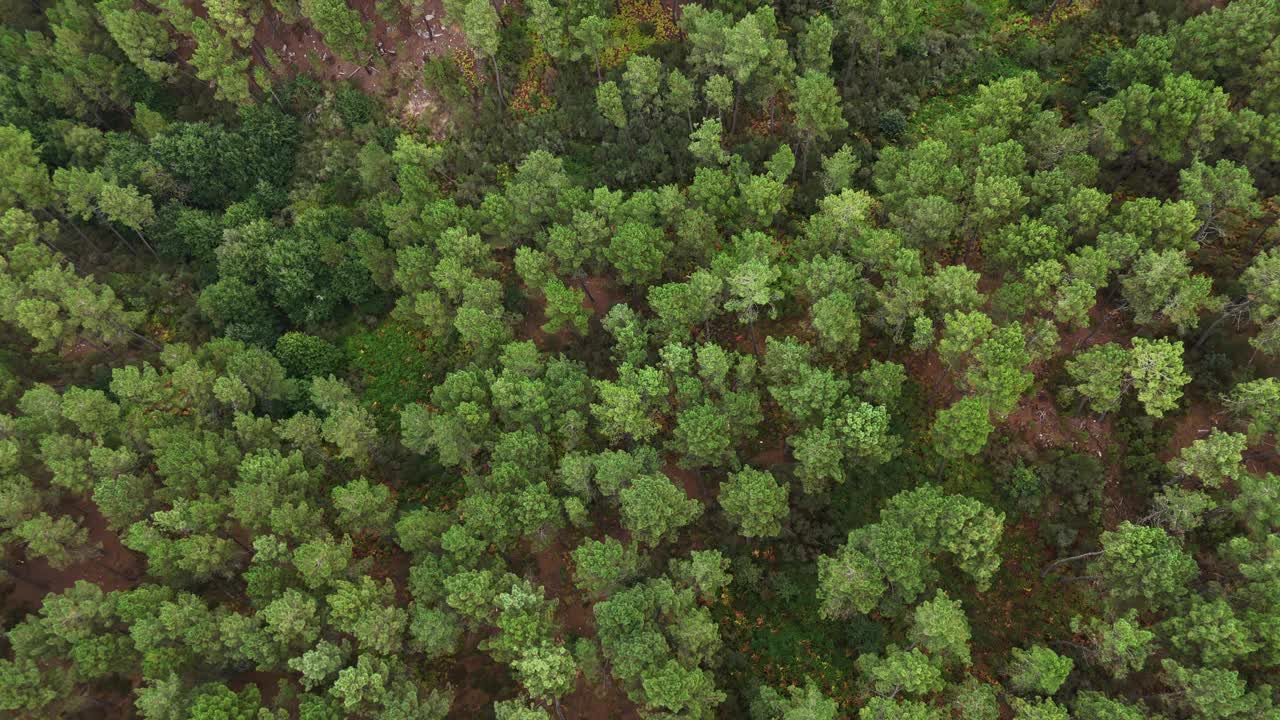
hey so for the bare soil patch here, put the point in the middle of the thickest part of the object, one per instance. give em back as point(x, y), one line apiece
point(115, 568)
point(392, 68)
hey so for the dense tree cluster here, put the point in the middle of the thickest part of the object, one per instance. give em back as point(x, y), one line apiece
point(793, 361)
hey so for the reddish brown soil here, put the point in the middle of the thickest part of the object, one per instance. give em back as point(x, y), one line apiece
point(553, 574)
point(1196, 424)
point(1040, 422)
point(268, 684)
point(477, 681)
point(597, 702)
point(601, 295)
point(1105, 325)
point(393, 69)
point(116, 568)
point(394, 564)
point(772, 452)
point(933, 376)
point(535, 317)
point(687, 479)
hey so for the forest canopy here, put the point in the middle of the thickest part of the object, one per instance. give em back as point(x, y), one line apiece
point(864, 360)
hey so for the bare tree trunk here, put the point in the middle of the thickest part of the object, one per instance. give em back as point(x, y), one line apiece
point(583, 282)
point(1081, 556)
point(150, 343)
point(1226, 312)
point(733, 126)
point(120, 237)
point(1080, 405)
point(497, 77)
point(143, 238)
point(67, 219)
point(236, 540)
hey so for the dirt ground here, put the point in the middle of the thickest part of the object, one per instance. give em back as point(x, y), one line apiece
point(116, 568)
point(392, 70)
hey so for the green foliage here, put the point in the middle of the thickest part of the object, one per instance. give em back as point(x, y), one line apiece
point(1144, 562)
point(343, 29)
point(307, 356)
point(891, 561)
point(963, 428)
point(280, 429)
point(1121, 647)
point(755, 502)
point(603, 566)
point(654, 508)
point(1038, 670)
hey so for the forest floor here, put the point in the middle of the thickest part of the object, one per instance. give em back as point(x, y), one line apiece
point(115, 568)
point(393, 68)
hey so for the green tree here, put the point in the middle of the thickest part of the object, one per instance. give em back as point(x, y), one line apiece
point(591, 36)
point(941, 628)
point(141, 36)
point(901, 671)
point(706, 143)
point(1143, 563)
point(564, 308)
point(963, 428)
point(308, 356)
point(702, 436)
point(807, 703)
point(61, 541)
point(1038, 670)
point(891, 561)
point(603, 566)
point(637, 251)
point(815, 44)
point(215, 61)
point(363, 506)
point(1224, 196)
point(643, 77)
point(1121, 647)
point(817, 110)
point(1213, 693)
point(609, 103)
point(1257, 403)
point(1157, 374)
point(1211, 632)
point(1161, 290)
point(1262, 284)
point(1179, 117)
point(343, 29)
point(654, 508)
point(28, 185)
point(548, 26)
point(755, 502)
point(1213, 459)
point(680, 96)
point(1101, 376)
